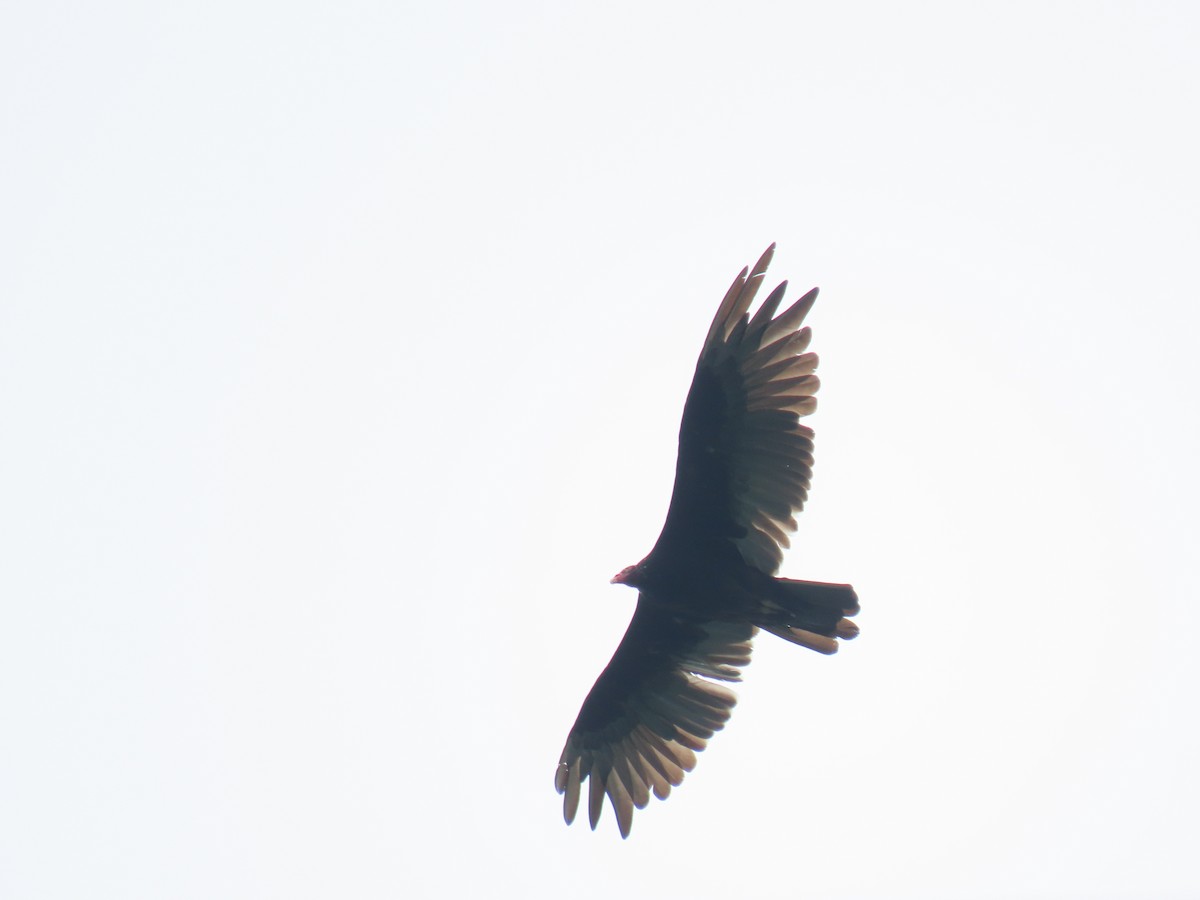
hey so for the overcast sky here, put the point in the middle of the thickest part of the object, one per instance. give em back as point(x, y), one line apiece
point(342, 352)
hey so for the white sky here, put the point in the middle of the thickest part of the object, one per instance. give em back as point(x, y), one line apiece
point(342, 352)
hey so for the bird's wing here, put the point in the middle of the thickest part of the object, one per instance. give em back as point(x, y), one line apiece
point(649, 712)
point(744, 458)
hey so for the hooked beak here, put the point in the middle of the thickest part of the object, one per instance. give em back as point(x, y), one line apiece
point(624, 575)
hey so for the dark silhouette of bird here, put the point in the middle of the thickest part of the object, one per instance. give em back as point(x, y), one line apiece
point(709, 584)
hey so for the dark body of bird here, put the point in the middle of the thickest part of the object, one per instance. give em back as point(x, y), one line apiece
point(709, 584)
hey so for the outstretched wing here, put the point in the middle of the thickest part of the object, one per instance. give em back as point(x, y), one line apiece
point(649, 712)
point(744, 458)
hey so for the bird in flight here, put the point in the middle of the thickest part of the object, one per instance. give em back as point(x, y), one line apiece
point(709, 584)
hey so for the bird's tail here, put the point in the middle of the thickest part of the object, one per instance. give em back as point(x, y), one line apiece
point(813, 614)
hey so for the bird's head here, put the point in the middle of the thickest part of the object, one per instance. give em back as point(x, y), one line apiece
point(628, 575)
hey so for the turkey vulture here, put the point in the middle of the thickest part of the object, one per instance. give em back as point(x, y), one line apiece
point(708, 585)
